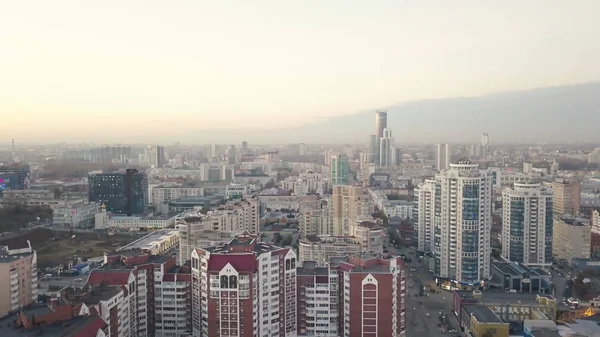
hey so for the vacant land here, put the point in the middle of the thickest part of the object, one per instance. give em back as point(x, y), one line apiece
point(54, 248)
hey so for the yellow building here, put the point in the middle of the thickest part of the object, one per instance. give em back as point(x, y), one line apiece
point(480, 321)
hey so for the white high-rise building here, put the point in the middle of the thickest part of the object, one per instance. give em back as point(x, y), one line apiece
point(442, 156)
point(386, 146)
point(527, 224)
point(426, 199)
point(462, 210)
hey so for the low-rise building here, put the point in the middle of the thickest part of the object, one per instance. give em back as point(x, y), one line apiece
point(321, 249)
point(158, 194)
point(18, 285)
point(155, 243)
point(512, 276)
point(105, 220)
point(508, 306)
point(82, 215)
point(571, 238)
point(479, 321)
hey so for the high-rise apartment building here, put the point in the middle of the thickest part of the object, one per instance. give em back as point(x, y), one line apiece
point(566, 197)
point(348, 204)
point(527, 224)
point(315, 221)
point(321, 248)
point(121, 193)
point(372, 296)
point(340, 169)
point(244, 288)
point(462, 221)
point(157, 298)
point(372, 148)
point(18, 285)
point(199, 230)
point(426, 199)
point(442, 157)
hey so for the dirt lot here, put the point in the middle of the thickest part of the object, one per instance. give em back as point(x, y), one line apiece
point(54, 248)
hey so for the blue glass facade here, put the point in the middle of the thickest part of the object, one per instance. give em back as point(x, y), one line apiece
point(122, 193)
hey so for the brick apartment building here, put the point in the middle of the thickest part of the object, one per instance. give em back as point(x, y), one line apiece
point(156, 290)
point(244, 288)
point(353, 296)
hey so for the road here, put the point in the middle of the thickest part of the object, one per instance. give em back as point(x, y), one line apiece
point(417, 307)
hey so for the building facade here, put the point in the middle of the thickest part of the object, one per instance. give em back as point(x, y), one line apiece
point(527, 224)
point(160, 194)
point(426, 199)
point(244, 288)
point(442, 157)
point(572, 238)
point(348, 204)
point(566, 197)
point(321, 249)
point(18, 286)
point(462, 223)
point(122, 193)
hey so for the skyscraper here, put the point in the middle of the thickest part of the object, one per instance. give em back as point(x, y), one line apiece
point(485, 145)
point(380, 125)
point(442, 156)
point(386, 146)
point(527, 224)
point(425, 194)
point(340, 169)
point(462, 220)
point(157, 156)
point(372, 148)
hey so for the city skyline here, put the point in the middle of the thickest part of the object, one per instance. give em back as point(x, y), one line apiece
point(192, 67)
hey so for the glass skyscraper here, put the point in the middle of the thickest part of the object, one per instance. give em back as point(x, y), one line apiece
point(121, 192)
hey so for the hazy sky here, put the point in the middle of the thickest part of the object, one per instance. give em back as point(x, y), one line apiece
point(142, 70)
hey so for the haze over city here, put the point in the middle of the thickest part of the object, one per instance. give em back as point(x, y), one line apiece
point(202, 71)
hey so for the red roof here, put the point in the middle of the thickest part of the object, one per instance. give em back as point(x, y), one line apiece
point(90, 329)
point(241, 262)
point(112, 278)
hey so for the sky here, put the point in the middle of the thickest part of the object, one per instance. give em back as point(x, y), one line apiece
point(146, 70)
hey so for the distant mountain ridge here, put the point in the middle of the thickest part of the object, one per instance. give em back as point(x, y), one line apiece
point(555, 114)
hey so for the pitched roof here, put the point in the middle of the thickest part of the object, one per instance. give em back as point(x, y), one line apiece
point(88, 328)
point(241, 262)
point(98, 277)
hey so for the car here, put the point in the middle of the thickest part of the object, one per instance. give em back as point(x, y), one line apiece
point(78, 280)
point(452, 331)
point(427, 315)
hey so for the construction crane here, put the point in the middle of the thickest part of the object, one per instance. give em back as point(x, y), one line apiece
point(571, 316)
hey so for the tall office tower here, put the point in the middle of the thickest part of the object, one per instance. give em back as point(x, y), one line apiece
point(244, 288)
point(485, 139)
point(214, 151)
point(244, 145)
point(442, 156)
point(231, 153)
point(425, 193)
point(485, 145)
point(372, 148)
point(566, 197)
point(386, 146)
point(157, 156)
point(348, 205)
point(397, 156)
point(527, 224)
point(19, 286)
point(462, 223)
point(302, 149)
point(121, 193)
point(340, 169)
point(380, 125)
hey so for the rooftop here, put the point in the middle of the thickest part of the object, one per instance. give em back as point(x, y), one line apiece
point(310, 268)
point(362, 264)
point(482, 313)
point(77, 326)
point(147, 241)
point(575, 220)
point(243, 243)
point(90, 295)
point(516, 269)
point(503, 297)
